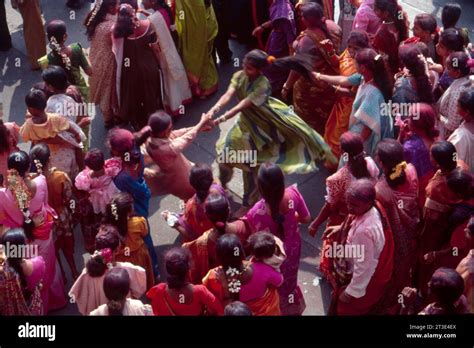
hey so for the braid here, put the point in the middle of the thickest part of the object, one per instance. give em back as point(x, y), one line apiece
point(15, 263)
point(398, 15)
point(414, 61)
point(402, 23)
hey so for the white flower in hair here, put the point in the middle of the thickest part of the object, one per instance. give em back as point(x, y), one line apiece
point(97, 6)
point(114, 209)
point(39, 166)
point(232, 271)
point(53, 43)
point(234, 286)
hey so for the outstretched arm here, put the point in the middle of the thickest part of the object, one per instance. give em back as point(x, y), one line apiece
point(223, 101)
point(244, 104)
point(182, 138)
point(333, 80)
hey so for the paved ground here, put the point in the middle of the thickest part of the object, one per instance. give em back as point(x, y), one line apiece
point(17, 79)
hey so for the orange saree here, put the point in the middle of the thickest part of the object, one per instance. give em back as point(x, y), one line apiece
point(199, 249)
point(338, 120)
point(267, 305)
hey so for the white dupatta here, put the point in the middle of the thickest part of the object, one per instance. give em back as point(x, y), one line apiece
point(176, 91)
point(117, 49)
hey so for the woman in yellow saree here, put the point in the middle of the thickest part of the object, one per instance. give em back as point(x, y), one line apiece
point(197, 29)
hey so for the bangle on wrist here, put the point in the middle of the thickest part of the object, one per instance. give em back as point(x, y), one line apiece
point(318, 76)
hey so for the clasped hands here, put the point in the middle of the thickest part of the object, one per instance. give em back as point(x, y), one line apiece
point(209, 122)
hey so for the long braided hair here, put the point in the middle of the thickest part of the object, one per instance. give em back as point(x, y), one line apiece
point(97, 15)
point(230, 253)
point(16, 237)
point(301, 63)
point(376, 65)
point(18, 166)
point(413, 59)
point(399, 16)
point(271, 184)
point(56, 31)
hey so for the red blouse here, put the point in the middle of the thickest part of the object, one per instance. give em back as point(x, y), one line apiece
point(164, 305)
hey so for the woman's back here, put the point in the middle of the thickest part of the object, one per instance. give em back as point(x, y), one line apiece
point(293, 203)
point(10, 214)
point(138, 49)
point(88, 292)
point(192, 302)
point(12, 300)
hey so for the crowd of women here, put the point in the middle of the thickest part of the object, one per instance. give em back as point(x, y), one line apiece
point(389, 114)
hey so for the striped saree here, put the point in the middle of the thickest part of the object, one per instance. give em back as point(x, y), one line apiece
point(273, 130)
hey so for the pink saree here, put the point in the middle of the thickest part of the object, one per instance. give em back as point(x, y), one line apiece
point(52, 292)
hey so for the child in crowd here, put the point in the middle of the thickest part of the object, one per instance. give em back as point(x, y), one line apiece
point(53, 130)
point(96, 186)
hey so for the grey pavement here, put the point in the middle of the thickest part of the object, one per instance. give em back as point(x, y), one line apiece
point(17, 79)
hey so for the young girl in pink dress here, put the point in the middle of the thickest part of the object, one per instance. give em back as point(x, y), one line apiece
point(25, 204)
point(97, 189)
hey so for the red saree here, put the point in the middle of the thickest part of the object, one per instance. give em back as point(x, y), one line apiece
point(404, 221)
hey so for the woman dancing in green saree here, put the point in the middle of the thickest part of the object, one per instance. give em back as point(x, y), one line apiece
point(266, 129)
point(196, 24)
